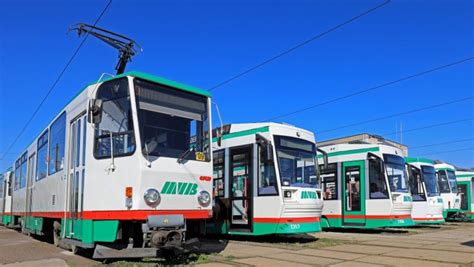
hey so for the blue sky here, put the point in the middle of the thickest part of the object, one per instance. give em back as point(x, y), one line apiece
point(204, 43)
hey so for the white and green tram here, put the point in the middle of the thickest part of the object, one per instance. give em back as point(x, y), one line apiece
point(427, 202)
point(465, 181)
point(265, 180)
point(125, 168)
point(365, 184)
point(448, 189)
point(6, 180)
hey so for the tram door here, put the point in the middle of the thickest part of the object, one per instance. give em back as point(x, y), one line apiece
point(353, 205)
point(240, 193)
point(30, 186)
point(462, 189)
point(76, 171)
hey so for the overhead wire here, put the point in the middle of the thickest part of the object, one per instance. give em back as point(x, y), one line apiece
point(50, 90)
point(442, 143)
point(398, 114)
point(429, 126)
point(385, 84)
point(299, 45)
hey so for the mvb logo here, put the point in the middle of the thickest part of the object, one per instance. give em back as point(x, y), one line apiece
point(179, 188)
point(308, 195)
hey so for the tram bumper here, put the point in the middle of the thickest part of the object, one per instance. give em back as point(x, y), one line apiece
point(162, 235)
point(401, 215)
point(164, 231)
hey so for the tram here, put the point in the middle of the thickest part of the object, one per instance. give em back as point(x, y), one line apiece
point(427, 202)
point(125, 168)
point(449, 189)
point(6, 180)
point(365, 184)
point(265, 180)
point(465, 181)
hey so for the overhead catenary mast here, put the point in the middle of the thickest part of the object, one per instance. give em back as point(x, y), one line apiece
point(127, 47)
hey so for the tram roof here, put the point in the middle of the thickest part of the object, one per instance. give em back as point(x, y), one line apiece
point(160, 80)
point(420, 160)
point(364, 138)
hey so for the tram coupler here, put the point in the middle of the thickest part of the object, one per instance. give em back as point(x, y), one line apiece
point(164, 231)
point(458, 216)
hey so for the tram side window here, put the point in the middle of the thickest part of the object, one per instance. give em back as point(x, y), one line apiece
point(56, 146)
point(1, 186)
point(116, 120)
point(24, 160)
point(17, 174)
point(329, 181)
point(267, 182)
point(42, 159)
point(377, 184)
point(219, 171)
point(416, 185)
point(20, 172)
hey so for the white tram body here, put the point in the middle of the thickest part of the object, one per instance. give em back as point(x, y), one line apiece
point(427, 202)
point(448, 188)
point(365, 184)
point(143, 189)
point(465, 181)
point(265, 180)
point(6, 197)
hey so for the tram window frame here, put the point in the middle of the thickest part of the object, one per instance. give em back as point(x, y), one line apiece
point(419, 191)
point(42, 147)
point(330, 170)
point(2, 186)
point(17, 174)
point(269, 170)
point(57, 139)
point(218, 155)
point(24, 170)
point(378, 162)
point(128, 135)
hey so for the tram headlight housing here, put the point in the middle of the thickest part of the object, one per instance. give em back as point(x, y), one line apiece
point(204, 198)
point(152, 197)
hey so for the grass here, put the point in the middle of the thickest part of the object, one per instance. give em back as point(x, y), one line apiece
point(190, 259)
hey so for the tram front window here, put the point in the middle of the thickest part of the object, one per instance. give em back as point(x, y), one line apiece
point(172, 123)
point(452, 182)
point(397, 175)
point(296, 158)
point(429, 177)
point(116, 127)
point(443, 182)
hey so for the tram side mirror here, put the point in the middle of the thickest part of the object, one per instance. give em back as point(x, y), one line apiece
point(268, 152)
point(219, 137)
point(265, 144)
point(325, 157)
point(95, 111)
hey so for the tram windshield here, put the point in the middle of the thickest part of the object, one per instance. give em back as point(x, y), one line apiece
point(397, 174)
point(452, 182)
point(429, 177)
point(297, 162)
point(172, 123)
point(443, 182)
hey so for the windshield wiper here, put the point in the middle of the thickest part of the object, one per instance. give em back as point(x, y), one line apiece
point(185, 154)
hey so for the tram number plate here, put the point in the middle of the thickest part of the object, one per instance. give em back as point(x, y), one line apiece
point(200, 156)
point(295, 226)
point(401, 221)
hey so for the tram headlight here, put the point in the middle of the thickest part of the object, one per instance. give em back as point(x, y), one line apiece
point(204, 198)
point(152, 197)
